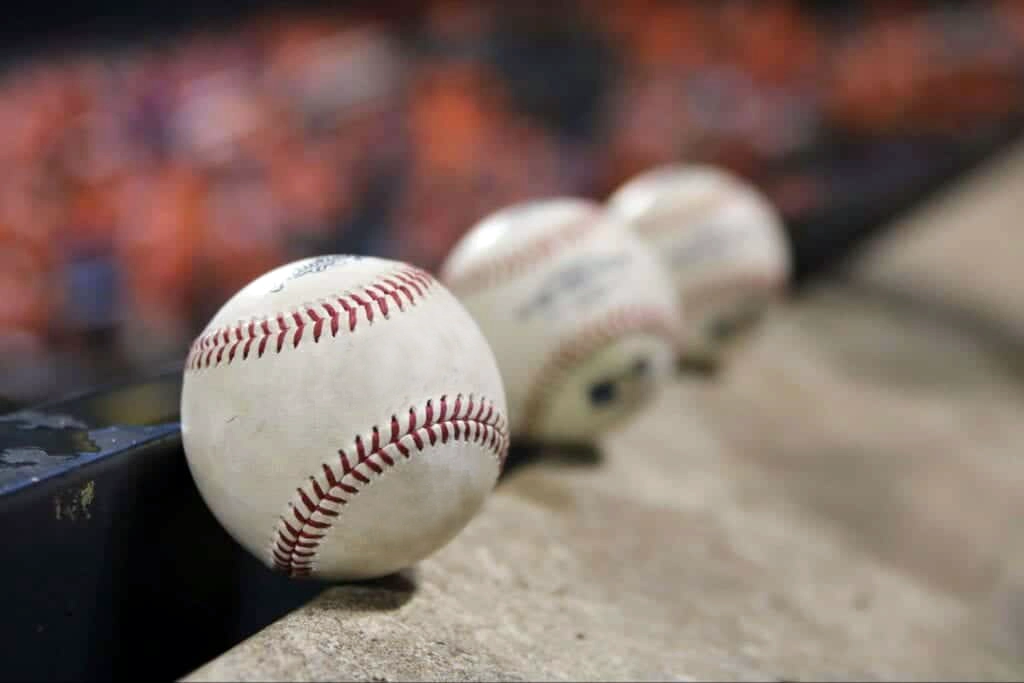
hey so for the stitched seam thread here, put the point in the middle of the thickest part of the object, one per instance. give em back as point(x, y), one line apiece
point(596, 335)
point(499, 269)
point(316, 505)
point(274, 333)
point(680, 217)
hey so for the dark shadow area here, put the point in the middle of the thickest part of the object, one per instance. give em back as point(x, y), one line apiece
point(700, 368)
point(524, 453)
point(402, 583)
point(385, 594)
point(822, 243)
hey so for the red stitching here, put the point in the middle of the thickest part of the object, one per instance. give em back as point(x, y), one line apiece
point(679, 216)
point(410, 282)
point(221, 345)
point(314, 507)
point(498, 269)
point(595, 335)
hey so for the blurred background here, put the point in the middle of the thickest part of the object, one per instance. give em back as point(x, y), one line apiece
point(155, 161)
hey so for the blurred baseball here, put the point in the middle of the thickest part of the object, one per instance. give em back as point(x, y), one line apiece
point(343, 417)
point(580, 314)
point(721, 240)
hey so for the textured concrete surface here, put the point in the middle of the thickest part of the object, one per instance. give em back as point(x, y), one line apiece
point(847, 502)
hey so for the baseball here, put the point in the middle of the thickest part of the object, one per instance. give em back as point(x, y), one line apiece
point(722, 242)
point(343, 417)
point(581, 317)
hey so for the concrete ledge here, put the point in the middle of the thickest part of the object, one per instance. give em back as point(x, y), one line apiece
point(846, 503)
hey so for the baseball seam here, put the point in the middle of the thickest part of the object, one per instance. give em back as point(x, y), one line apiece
point(316, 505)
point(670, 220)
point(501, 268)
point(403, 287)
point(595, 335)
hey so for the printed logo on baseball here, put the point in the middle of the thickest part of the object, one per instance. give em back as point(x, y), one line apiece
point(343, 417)
point(581, 316)
point(722, 242)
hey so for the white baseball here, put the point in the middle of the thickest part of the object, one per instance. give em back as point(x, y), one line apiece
point(343, 417)
point(722, 241)
point(581, 317)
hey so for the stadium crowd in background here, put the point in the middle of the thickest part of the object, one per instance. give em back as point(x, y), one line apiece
point(145, 183)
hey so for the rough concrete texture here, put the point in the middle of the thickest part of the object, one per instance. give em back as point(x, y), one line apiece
point(846, 502)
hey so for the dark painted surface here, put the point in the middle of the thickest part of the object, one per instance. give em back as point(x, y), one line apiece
point(891, 178)
point(114, 568)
